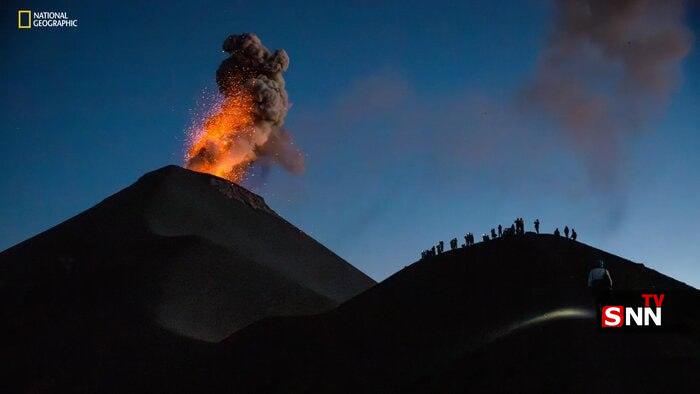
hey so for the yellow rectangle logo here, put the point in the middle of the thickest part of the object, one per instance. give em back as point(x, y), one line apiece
point(24, 19)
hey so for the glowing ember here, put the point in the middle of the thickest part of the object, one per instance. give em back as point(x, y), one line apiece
point(224, 143)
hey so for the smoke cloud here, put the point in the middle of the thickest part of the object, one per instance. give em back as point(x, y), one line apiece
point(248, 126)
point(609, 66)
point(253, 68)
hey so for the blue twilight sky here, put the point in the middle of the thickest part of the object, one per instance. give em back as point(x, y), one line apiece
point(405, 111)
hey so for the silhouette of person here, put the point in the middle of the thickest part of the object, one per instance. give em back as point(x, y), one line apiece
point(500, 230)
point(466, 240)
point(566, 231)
point(573, 234)
point(519, 226)
point(556, 232)
point(600, 284)
point(453, 244)
point(484, 237)
point(537, 226)
point(432, 251)
point(471, 239)
point(493, 233)
point(440, 247)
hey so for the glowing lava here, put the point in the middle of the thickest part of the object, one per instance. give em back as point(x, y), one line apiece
point(224, 143)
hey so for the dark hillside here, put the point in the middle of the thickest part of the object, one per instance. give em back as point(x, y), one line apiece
point(445, 323)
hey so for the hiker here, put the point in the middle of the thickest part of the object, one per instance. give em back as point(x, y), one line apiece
point(573, 234)
point(484, 237)
point(500, 231)
point(432, 251)
point(493, 233)
point(471, 239)
point(537, 226)
point(566, 231)
point(440, 247)
point(453, 244)
point(519, 226)
point(556, 232)
point(600, 283)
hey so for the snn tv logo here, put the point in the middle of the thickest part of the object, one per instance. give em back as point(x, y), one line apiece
point(616, 316)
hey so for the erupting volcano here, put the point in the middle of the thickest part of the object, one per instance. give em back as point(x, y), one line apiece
point(246, 123)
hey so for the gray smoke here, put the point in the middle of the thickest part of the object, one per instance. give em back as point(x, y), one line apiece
point(608, 67)
point(253, 68)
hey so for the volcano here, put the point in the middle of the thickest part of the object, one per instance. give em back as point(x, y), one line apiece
point(196, 254)
point(186, 283)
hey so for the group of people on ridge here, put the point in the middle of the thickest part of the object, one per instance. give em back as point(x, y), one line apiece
point(566, 232)
point(517, 228)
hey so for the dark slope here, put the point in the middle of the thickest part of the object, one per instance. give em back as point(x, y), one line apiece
point(198, 255)
point(507, 315)
point(443, 325)
point(569, 356)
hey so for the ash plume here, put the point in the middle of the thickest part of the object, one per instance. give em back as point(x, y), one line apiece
point(608, 68)
point(253, 68)
point(248, 128)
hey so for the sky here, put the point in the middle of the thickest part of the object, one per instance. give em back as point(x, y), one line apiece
point(411, 116)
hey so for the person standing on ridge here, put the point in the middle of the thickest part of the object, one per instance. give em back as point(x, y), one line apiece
point(573, 234)
point(440, 247)
point(500, 231)
point(537, 226)
point(556, 232)
point(566, 231)
point(493, 233)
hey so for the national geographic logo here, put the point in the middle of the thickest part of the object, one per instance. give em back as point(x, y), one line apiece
point(27, 19)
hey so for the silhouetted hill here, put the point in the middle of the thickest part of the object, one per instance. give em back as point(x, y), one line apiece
point(507, 315)
point(176, 251)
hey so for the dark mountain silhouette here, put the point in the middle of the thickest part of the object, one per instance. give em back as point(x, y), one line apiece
point(178, 250)
point(513, 314)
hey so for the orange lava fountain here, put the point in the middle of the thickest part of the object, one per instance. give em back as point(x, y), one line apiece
point(224, 143)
